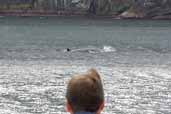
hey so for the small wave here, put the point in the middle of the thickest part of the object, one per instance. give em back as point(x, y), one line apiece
point(8, 111)
point(88, 50)
point(108, 49)
point(92, 49)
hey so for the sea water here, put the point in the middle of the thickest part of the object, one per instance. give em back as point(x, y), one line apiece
point(38, 55)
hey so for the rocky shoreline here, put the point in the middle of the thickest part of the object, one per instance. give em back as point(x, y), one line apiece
point(115, 9)
point(125, 15)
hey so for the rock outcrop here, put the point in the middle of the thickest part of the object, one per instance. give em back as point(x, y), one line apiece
point(149, 9)
point(156, 9)
point(123, 8)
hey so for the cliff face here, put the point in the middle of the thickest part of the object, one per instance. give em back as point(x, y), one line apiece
point(137, 8)
point(98, 7)
point(134, 8)
point(121, 8)
point(149, 9)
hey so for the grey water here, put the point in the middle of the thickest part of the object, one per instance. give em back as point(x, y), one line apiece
point(38, 55)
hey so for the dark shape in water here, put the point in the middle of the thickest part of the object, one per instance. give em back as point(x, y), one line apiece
point(68, 49)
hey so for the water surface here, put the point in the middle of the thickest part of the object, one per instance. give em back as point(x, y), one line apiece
point(132, 56)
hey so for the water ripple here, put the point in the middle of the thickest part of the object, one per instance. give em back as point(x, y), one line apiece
point(40, 88)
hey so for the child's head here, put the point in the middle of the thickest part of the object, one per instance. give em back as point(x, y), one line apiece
point(85, 93)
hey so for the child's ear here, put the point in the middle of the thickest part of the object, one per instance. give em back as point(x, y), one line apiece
point(68, 107)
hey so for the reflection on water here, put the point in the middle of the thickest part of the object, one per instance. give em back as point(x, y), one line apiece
point(40, 89)
point(133, 57)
